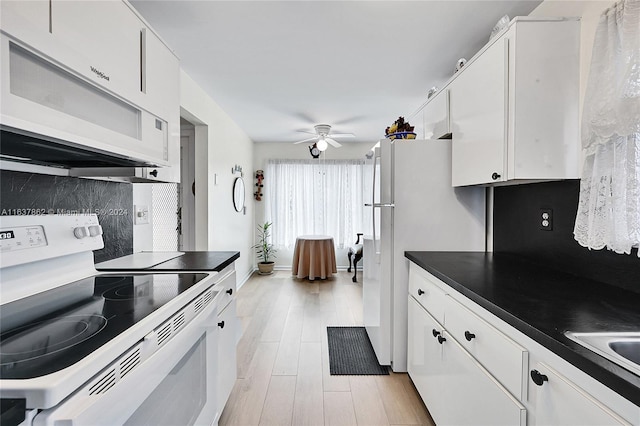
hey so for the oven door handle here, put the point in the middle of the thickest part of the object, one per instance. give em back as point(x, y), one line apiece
point(116, 404)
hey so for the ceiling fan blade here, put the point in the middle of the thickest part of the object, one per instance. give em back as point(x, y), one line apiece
point(333, 143)
point(306, 140)
point(342, 135)
point(306, 131)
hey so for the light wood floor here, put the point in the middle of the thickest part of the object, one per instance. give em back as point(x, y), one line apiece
point(283, 365)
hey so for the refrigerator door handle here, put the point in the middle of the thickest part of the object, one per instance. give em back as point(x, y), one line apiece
point(380, 205)
point(376, 159)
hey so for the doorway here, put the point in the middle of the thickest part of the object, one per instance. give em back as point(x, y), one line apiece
point(187, 188)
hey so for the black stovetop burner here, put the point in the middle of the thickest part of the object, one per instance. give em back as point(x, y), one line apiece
point(52, 330)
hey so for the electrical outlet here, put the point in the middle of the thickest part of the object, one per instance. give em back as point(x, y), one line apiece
point(545, 219)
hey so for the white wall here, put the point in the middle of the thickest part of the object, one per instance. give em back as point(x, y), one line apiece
point(266, 151)
point(220, 145)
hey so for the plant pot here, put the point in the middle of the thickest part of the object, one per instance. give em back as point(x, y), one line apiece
point(265, 268)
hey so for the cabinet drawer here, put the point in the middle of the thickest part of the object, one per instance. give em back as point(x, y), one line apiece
point(226, 282)
point(501, 356)
point(427, 293)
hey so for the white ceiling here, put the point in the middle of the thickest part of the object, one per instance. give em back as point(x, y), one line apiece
point(279, 67)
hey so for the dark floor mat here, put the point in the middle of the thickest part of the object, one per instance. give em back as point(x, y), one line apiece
point(351, 353)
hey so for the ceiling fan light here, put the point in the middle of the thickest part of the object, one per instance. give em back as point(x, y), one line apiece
point(322, 144)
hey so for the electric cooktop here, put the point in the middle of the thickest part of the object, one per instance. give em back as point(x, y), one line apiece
point(52, 330)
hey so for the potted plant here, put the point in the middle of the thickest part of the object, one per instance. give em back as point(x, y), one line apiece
point(265, 250)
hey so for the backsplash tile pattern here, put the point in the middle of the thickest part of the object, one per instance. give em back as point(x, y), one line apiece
point(165, 217)
point(45, 194)
point(516, 230)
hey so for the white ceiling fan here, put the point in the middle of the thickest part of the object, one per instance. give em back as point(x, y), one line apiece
point(324, 138)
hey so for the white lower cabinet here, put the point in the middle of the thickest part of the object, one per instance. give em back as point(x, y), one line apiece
point(228, 331)
point(558, 401)
point(456, 389)
point(505, 359)
point(228, 326)
point(472, 396)
point(472, 368)
point(424, 358)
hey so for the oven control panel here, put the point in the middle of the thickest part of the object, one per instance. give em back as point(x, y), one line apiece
point(47, 237)
point(23, 237)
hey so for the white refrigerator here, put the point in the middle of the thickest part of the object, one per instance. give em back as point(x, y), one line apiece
point(412, 207)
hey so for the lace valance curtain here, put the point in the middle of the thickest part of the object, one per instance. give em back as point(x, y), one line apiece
point(322, 197)
point(609, 207)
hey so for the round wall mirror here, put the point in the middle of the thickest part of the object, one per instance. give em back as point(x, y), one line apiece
point(238, 194)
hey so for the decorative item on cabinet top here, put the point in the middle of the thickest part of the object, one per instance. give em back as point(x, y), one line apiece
point(400, 130)
point(500, 25)
point(459, 64)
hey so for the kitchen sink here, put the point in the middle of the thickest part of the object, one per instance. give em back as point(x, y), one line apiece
point(622, 348)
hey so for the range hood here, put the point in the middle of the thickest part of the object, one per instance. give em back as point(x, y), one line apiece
point(123, 174)
point(17, 146)
point(20, 146)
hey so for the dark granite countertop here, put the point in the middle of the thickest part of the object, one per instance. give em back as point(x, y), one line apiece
point(171, 261)
point(543, 303)
point(199, 261)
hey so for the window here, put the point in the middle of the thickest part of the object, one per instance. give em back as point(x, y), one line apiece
point(315, 197)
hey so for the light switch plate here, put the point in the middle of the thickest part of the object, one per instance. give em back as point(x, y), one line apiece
point(140, 215)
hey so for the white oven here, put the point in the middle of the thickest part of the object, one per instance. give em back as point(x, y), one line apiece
point(84, 348)
point(229, 331)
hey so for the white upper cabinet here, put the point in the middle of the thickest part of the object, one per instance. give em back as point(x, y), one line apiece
point(436, 117)
point(25, 19)
point(91, 74)
point(161, 66)
point(478, 115)
point(514, 106)
point(103, 42)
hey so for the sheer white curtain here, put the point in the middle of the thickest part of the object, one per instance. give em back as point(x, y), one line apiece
point(322, 197)
point(609, 207)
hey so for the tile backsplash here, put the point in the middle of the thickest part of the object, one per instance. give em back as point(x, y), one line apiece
point(517, 217)
point(22, 193)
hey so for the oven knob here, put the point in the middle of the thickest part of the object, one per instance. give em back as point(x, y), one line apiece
point(80, 232)
point(95, 230)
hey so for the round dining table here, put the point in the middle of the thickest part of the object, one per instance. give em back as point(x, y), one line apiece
point(314, 257)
